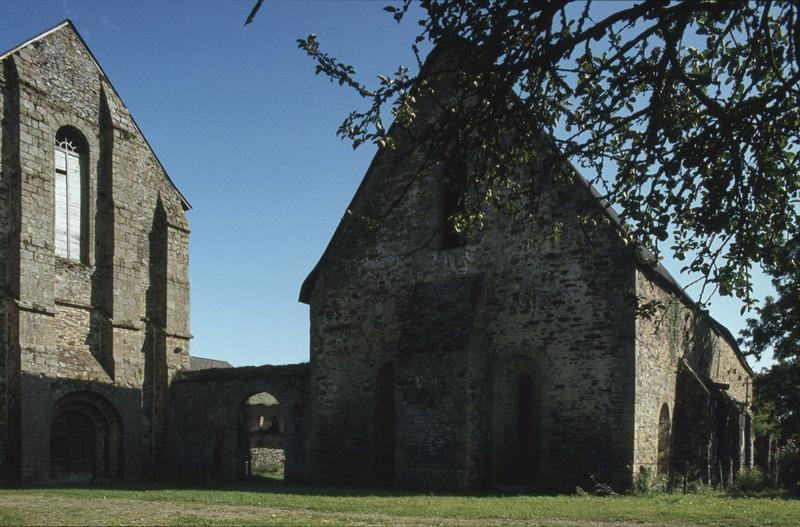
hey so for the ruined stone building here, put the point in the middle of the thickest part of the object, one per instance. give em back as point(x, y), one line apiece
point(93, 272)
point(507, 358)
point(510, 357)
point(500, 359)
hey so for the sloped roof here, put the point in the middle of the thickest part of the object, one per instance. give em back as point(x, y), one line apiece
point(645, 260)
point(202, 363)
point(67, 23)
point(308, 283)
point(649, 264)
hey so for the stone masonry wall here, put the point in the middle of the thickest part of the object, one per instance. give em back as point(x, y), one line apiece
point(266, 459)
point(460, 326)
point(559, 304)
point(662, 342)
point(9, 269)
point(5, 225)
point(207, 436)
point(84, 325)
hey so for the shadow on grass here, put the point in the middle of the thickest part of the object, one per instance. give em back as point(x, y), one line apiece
point(270, 485)
point(255, 484)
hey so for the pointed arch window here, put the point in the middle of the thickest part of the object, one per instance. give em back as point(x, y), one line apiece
point(70, 165)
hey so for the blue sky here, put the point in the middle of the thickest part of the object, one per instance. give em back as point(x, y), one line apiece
point(247, 132)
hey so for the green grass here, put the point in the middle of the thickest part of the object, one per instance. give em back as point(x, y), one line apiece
point(269, 502)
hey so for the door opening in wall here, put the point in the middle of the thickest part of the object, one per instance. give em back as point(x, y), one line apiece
point(525, 430)
point(515, 448)
point(261, 437)
point(385, 443)
point(522, 468)
point(72, 448)
point(85, 442)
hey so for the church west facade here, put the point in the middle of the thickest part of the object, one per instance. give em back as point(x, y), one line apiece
point(93, 272)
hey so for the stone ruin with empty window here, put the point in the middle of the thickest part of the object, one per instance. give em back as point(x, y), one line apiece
point(504, 358)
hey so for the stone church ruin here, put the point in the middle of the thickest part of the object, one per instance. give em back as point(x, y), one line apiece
point(436, 361)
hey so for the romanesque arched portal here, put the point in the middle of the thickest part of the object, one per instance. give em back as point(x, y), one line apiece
point(85, 439)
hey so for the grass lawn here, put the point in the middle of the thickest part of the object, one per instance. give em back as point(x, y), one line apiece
point(273, 503)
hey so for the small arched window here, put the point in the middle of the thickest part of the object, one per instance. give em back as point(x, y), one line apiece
point(70, 165)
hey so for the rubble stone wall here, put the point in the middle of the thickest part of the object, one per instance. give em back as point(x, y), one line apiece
point(266, 458)
point(674, 334)
point(208, 435)
point(460, 327)
point(84, 323)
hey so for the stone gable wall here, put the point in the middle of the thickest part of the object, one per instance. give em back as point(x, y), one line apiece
point(554, 307)
point(85, 325)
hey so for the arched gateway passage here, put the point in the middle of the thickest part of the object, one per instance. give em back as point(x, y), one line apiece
point(261, 437)
point(209, 408)
point(85, 439)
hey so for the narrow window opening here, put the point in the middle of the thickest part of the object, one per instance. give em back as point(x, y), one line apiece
point(454, 178)
point(70, 189)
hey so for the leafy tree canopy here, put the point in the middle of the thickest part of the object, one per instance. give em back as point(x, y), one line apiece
point(776, 329)
point(684, 114)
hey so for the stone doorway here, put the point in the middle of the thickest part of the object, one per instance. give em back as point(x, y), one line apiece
point(525, 467)
point(85, 440)
point(261, 437)
point(384, 462)
point(72, 448)
point(514, 453)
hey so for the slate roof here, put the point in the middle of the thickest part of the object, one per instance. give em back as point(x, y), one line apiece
point(202, 363)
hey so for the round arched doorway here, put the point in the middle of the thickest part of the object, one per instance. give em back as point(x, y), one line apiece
point(85, 439)
point(261, 437)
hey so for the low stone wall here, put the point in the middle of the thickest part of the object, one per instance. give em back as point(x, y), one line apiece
point(205, 434)
point(266, 459)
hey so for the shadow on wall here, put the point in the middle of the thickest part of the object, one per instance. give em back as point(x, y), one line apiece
point(515, 422)
point(712, 433)
point(78, 432)
point(261, 437)
point(213, 430)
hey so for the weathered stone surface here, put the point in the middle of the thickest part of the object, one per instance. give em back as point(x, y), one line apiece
point(678, 335)
point(113, 323)
point(207, 433)
point(516, 358)
point(266, 459)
